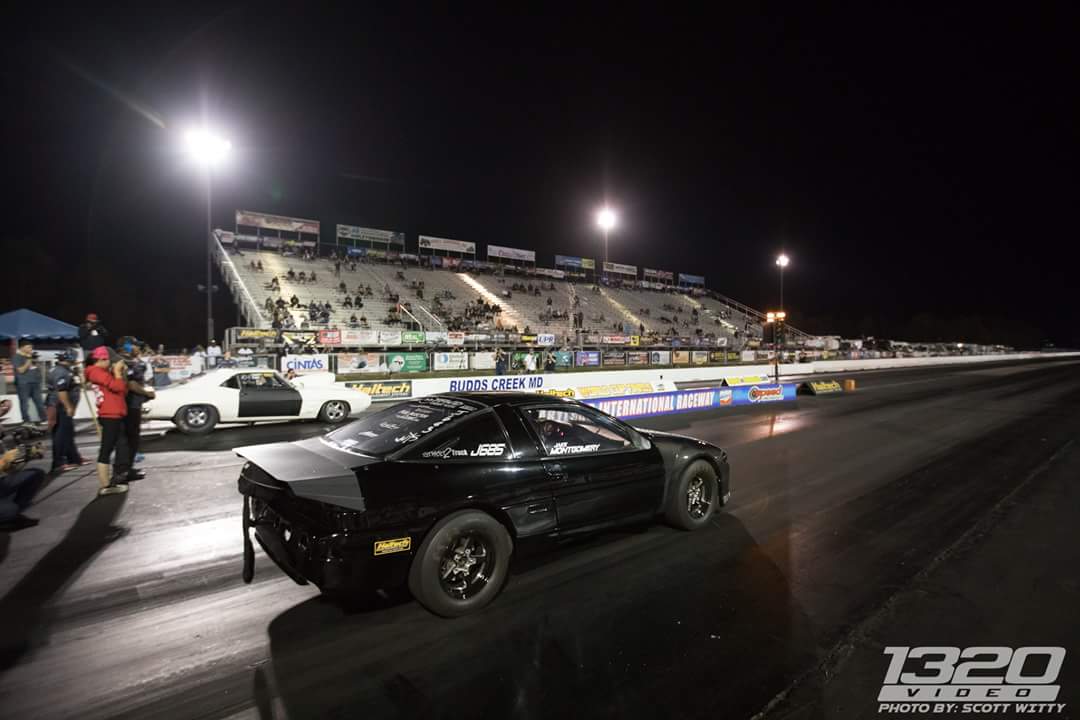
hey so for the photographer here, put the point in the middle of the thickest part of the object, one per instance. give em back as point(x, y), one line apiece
point(28, 380)
point(17, 490)
point(63, 399)
point(92, 334)
point(109, 383)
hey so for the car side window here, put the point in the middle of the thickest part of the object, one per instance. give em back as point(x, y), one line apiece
point(480, 438)
point(567, 431)
point(258, 381)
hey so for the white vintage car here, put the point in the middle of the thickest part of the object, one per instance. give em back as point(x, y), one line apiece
point(247, 395)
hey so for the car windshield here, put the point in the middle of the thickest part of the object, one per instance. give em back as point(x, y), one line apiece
point(396, 427)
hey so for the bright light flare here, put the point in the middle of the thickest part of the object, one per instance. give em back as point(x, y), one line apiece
point(606, 219)
point(205, 147)
point(783, 261)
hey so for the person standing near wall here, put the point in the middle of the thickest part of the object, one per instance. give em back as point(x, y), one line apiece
point(63, 397)
point(109, 384)
point(28, 381)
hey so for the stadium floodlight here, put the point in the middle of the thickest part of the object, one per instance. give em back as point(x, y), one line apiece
point(605, 220)
point(783, 260)
point(208, 150)
point(206, 147)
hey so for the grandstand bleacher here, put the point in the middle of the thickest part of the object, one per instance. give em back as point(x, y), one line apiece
point(402, 294)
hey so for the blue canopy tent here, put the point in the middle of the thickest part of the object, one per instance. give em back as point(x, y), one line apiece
point(19, 324)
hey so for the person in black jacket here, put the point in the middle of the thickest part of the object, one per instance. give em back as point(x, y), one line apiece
point(92, 334)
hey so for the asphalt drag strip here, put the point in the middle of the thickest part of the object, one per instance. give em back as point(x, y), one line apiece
point(135, 608)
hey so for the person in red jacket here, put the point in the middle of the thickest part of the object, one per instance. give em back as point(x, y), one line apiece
point(108, 382)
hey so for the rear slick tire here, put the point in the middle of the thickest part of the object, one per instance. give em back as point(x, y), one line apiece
point(462, 564)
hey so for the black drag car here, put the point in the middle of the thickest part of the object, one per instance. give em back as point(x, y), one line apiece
point(437, 492)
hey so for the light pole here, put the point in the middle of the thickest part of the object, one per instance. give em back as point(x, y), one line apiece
point(207, 150)
point(782, 262)
point(605, 218)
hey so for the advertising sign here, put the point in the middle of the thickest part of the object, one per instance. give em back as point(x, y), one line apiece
point(435, 337)
point(412, 337)
point(389, 337)
point(737, 380)
point(383, 390)
point(680, 357)
point(614, 358)
point(564, 358)
point(301, 338)
point(668, 275)
point(568, 261)
point(256, 334)
point(482, 361)
point(372, 235)
point(451, 361)
point(406, 362)
point(587, 358)
point(305, 364)
point(822, 387)
point(614, 339)
point(276, 222)
point(699, 357)
point(455, 338)
point(613, 389)
point(717, 356)
point(348, 363)
point(548, 272)
point(588, 264)
point(430, 242)
point(359, 337)
point(637, 357)
point(621, 269)
point(685, 279)
point(511, 253)
point(329, 337)
point(545, 339)
point(680, 401)
point(659, 357)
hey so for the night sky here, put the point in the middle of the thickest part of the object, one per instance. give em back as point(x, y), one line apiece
point(919, 165)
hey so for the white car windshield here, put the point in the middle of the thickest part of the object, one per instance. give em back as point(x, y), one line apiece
point(396, 427)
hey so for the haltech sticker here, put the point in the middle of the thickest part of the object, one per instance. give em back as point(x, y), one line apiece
point(383, 390)
point(385, 547)
point(745, 380)
point(821, 387)
point(567, 393)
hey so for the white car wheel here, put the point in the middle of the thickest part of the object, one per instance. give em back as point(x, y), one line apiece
point(196, 419)
point(334, 412)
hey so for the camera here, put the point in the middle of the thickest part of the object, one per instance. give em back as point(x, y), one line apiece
point(34, 355)
point(26, 440)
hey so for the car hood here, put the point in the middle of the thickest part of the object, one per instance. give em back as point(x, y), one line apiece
point(312, 469)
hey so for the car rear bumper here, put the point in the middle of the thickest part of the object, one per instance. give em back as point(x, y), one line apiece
point(332, 561)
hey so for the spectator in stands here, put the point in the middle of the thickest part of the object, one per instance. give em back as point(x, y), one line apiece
point(28, 380)
point(500, 361)
point(291, 275)
point(359, 301)
point(312, 278)
point(280, 304)
point(109, 383)
point(347, 302)
point(342, 287)
point(370, 293)
point(294, 301)
point(337, 268)
point(364, 321)
point(274, 283)
point(353, 322)
point(302, 276)
point(258, 266)
point(227, 361)
point(92, 334)
point(252, 265)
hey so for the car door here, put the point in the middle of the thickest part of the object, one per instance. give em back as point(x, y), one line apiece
point(264, 394)
point(605, 473)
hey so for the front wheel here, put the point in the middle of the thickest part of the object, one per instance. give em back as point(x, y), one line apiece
point(462, 564)
point(196, 419)
point(334, 412)
point(693, 497)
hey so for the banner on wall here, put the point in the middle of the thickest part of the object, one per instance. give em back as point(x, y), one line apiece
point(614, 358)
point(699, 357)
point(680, 357)
point(412, 337)
point(482, 361)
point(680, 401)
point(305, 364)
point(372, 235)
point(329, 337)
point(256, 334)
point(435, 337)
point(406, 362)
point(359, 337)
point(383, 390)
point(614, 339)
point(280, 223)
point(548, 272)
point(511, 253)
point(389, 337)
point(349, 363)
point(587, 358)
point(685, 279)
point(455, 338)
point(564, 358)
point(430, 242)
point(659, 357)
point(299, 338)
point(450, 361)
point(620, 268)
point(637, 357)
point(545, 339)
